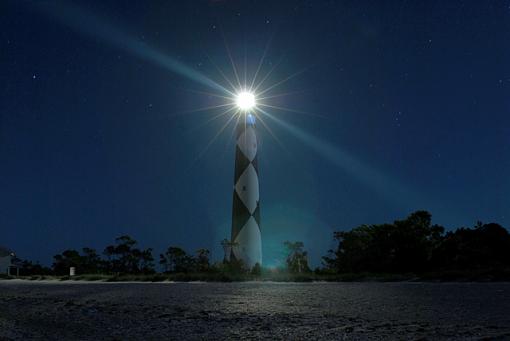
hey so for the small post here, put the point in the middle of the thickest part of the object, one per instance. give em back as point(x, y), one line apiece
point(72, 271)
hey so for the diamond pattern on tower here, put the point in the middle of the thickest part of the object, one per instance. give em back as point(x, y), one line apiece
point(247, 187)
point(247, 142)
point(256, 215)
point(245, 210)
point(240, 215)
point(255, 165)
point(251, 252)
point(241, 164)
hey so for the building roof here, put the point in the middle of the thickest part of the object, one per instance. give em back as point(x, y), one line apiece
point(4, 252)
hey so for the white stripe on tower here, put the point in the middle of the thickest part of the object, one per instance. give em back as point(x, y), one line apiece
point(246, 235)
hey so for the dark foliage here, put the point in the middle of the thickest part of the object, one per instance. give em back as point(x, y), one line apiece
point(121, 258)
point(176, 260)
point(256, 270)
point(297, 258)
point(232, 266)
point(415, 245)
point(28, 268)
point(124, 257)
point(409, 247)
point(482, 247)
point(68, 258)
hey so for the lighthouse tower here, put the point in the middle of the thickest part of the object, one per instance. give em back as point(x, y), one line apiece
point(246, 237)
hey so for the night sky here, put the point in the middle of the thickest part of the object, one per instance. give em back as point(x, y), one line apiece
point(397, 106)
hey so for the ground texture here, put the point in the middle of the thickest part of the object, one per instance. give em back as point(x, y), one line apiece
point(219, 311)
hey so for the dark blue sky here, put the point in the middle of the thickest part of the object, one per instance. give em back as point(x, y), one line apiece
point(407, 108)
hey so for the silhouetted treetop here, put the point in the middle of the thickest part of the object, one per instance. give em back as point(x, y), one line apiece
point(415, 245)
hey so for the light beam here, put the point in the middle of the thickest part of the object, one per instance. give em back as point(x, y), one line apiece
point(92, 26)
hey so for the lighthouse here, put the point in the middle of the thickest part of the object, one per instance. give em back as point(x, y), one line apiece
point(246, 236)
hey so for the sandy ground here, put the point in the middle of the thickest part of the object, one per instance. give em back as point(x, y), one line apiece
point(290, 311)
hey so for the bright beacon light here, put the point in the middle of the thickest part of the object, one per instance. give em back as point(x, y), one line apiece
point(245, 101)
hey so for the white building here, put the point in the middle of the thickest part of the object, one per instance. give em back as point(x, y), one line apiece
point(6, 262)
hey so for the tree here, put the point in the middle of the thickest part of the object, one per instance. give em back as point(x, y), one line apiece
point(92, 262)
point(146, 261)
point(176, 259)
point(124, 257)
point(68, 258)
point(28, 269)
point(88, 263)
point(228, 247)
point(486, 246)
point(231, 264)
point(202, 260)
point(234, 266)
point(404, 246)
point(256, 270)
point(297, 260)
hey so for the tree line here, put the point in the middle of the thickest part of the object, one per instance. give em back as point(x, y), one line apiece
point(415, 245)
point(411, 245)
point(124, 257)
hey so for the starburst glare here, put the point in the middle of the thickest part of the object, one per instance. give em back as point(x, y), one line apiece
point(246, 97)
point(245, 101)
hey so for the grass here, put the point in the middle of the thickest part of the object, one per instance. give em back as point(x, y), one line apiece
point(222, 277)
point(480, 275)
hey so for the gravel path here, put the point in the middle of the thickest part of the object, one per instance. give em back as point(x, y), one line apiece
point(290, 311)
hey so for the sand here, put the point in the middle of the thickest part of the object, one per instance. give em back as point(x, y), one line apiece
point(251, 310)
